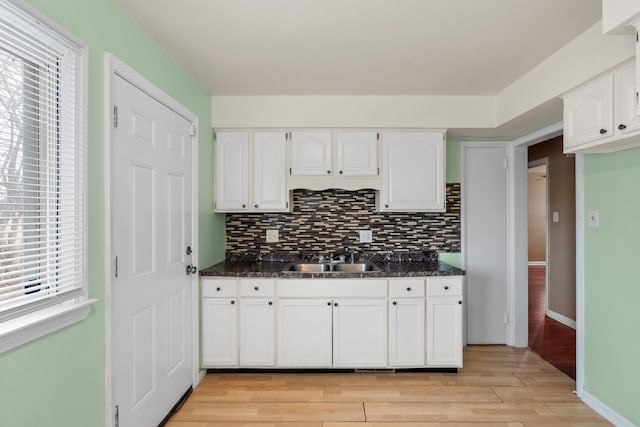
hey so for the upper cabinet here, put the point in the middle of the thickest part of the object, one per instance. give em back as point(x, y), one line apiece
point(250, 173)
point(413, 171)
point(601, 116)
point(311, 153)
point(357, 153)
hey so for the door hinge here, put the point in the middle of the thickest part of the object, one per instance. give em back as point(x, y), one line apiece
point(192, 130)
point(115, 116)
point(378, 136)
point(506, 318)
point(287, 205)
point(115, 267)
point(506, 163)
point(290, 171)
point(116, 416)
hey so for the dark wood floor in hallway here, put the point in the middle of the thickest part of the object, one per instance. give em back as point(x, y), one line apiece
point(553, 341)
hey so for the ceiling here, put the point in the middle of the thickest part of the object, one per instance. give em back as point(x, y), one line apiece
point(361, 47)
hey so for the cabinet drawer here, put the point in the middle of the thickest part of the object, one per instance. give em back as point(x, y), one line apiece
point(444, 286)
point(406, 288)
point(223, 288)
point(257, 287)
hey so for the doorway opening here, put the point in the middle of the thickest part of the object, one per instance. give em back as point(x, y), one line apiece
point(552, 254)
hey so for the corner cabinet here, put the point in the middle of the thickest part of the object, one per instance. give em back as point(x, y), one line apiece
point(601, 116)
point(413, 171)
point(250, 173)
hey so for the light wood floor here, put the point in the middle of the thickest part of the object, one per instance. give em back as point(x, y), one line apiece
point(498, 387)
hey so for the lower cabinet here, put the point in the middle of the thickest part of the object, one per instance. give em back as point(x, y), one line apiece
point(257, 332)
point(406, 332)
point(219, 332)
point(444, 331)
point(360, 333)
point(304, 333)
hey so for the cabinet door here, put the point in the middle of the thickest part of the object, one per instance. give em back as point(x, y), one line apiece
point(406, 332)
point(304, 333)
point(219, 332)
point(413, 171)
point(360, 333)
point(444, 332)
point(232, 171)
point(270, 171)
point(311, 153)
point(625, 99)
point(257, 332)
point(588, 112)
point(357, 153)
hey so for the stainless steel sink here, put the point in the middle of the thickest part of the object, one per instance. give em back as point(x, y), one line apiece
point(310, 268)
point(355, 268)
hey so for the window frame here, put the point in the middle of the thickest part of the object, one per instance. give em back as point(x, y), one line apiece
point(40, 322)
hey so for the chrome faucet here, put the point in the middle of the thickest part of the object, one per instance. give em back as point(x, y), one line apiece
point(344, 253)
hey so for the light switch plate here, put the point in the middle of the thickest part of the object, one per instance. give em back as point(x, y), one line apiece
point(366, 236)
point(556, 216)
point(593, 218)
point(272, 236)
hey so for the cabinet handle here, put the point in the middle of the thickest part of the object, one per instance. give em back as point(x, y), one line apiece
point(459, 302)
point(622, 126)
point(340, 172)
point(408, 289)
point(329, 172)
point(255, 206)
point(256, 287)
point(395, 303)
point(603, 131)
point(233, 302)
point(270, 302)
point(446, 288)
point(218, 289)
point(335, 304)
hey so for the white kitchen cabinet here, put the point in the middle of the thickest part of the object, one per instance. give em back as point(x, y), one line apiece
point(219, 332)
point(601, 116)
point(406, 323)
point(444, 322)
point(413, 176)
point(232, 171)
point(251, 171)
point(357, 153)
point(311, 153)
point(257, 332)
point(304, 333)
point(360, 333)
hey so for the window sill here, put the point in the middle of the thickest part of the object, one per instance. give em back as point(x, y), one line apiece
point(16, 332)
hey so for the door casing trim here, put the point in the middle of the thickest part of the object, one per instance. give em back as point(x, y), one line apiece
point(114, 67)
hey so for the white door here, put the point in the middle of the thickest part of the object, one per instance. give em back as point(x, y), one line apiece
point(360, 333)
point(257, 332)
point(270, 171)
point(406, 332)
point(485, 237)
point(304, 333)
point(444, 332)
point(151, 294)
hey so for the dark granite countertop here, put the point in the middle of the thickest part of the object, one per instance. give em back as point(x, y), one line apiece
point(276, 266)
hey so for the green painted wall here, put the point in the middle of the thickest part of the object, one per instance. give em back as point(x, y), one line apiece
point(453, 160)
point(612, 291)
point(59, 380)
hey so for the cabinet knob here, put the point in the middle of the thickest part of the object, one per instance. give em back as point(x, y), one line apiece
point(408, 289)
point(218, 289)
point(255, 206)
point(622, 126)
point(446, 288)
point(244, 206)
point(459, 302)
point(395, 303)
point(603, 131)
point(256, 287)
point(340, 172)
point(328, 303)
point(335, 304)
point(233, 302)
point(386, 206)
point(270, 302)
point(329, 172)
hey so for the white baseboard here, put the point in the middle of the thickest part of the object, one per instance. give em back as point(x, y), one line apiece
point(604, 410)
point(562, 319)
point(540, 263)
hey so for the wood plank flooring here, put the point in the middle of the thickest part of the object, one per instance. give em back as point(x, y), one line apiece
point(553, 341)
point(498, 387)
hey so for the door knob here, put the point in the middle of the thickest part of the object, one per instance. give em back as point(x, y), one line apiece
point(191, 269)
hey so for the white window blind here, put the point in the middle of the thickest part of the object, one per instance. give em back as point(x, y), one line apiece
point(42, 231)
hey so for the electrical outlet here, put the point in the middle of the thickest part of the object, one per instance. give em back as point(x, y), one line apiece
point(366, 236)
point(556, 216)
point(272, 236)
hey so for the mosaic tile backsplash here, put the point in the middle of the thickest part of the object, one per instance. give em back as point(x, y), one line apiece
point(325, 221)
